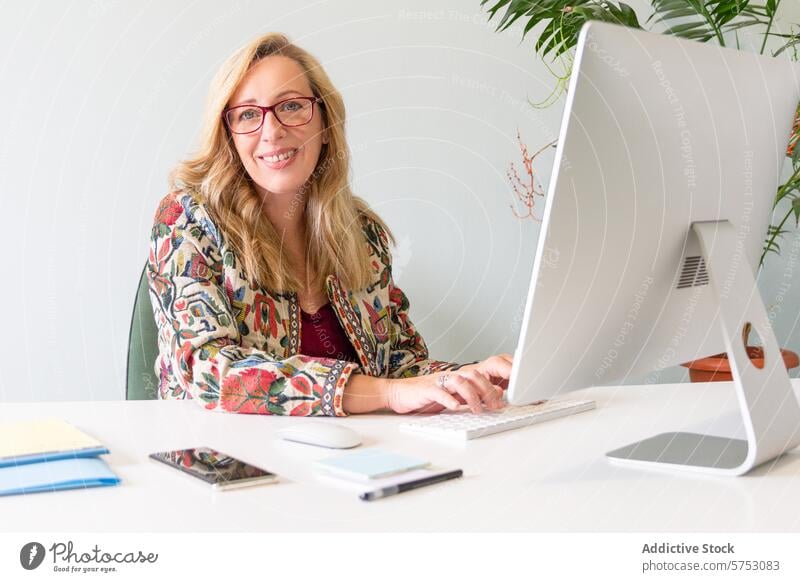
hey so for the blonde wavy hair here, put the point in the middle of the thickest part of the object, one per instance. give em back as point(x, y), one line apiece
point(333, 214)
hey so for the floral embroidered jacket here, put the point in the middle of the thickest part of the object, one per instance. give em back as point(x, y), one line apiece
point(235, 348)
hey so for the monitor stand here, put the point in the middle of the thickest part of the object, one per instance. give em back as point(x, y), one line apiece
point(768, 403)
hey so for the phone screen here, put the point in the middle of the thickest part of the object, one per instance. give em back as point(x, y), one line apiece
point(214, 467)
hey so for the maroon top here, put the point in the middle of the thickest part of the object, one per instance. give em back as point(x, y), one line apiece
point(322, 336)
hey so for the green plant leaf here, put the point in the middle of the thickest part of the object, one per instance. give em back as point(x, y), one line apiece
point(771, 7)
point(703, 20)
point(562, 20)
point(792, 41)
point(744, 23)
point(669, 14)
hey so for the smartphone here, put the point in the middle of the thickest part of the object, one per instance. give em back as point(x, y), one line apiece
point(221, 471)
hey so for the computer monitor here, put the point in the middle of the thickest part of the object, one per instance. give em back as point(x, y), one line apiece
point(668, 160)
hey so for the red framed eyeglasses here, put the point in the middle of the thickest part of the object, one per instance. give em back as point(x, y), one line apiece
point(290, 112)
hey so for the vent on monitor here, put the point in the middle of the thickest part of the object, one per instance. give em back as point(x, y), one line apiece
point(694, 273)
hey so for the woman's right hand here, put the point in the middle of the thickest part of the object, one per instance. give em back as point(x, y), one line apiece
point(444, 390)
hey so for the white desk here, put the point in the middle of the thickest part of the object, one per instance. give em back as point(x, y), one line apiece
point(549, 477)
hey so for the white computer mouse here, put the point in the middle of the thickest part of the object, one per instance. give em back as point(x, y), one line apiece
point(321, 433)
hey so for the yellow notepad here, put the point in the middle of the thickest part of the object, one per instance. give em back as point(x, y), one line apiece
point(33, 441)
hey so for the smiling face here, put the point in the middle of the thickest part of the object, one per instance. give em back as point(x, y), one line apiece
point(274, 79)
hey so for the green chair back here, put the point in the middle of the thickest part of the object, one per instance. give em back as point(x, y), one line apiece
point(142, 382)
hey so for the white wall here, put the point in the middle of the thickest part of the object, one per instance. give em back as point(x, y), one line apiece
point(100, 99)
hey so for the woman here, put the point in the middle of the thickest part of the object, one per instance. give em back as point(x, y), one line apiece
point(271, 282)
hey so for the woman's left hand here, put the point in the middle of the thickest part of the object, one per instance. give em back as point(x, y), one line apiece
point(496, 369)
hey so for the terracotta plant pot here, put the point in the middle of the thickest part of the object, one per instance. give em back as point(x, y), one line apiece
point(717, 369)
point(793, 141)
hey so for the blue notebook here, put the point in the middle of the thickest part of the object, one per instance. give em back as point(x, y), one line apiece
point(42, 457)
point(55, 476)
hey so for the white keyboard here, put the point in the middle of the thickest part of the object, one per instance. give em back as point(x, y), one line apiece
point(467, 425)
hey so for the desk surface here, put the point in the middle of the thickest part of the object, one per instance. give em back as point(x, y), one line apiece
point(548, 477)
